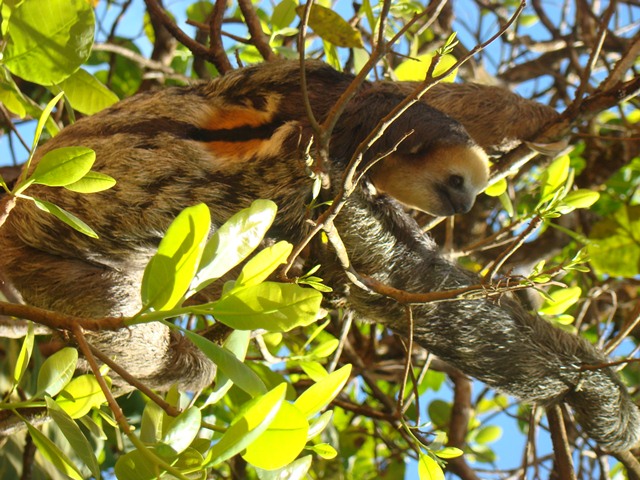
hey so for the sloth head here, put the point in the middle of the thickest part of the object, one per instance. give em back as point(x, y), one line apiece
point(442, 182)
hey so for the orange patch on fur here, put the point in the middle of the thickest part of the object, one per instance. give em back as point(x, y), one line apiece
point(237, 151)
point(233, 117)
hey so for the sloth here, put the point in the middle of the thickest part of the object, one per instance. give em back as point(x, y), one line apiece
point(244, 136)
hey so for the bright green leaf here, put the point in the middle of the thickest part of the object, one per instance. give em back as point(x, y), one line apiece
point(428, 468)
point(488, 434)
point(614, 247)
point(416, 69)
point(283, 14)
point(92, 182)
point(448, 452)
point(81, 395)
point(247, 426)
point(561, 300)
point(288, 430)
point(554, 177)
point(56, 371)
point(275, 307)
point(86, 93)
point(234, 241)
point(314, 370)
point(63, 166)
point(22, 362)
point(496, 189)
point(324, 450)
point(46, 41)
point(67, 217)
point(171, 270)
point(319, 424)
point(318, 396)
point(263, 264)
point(581, 198)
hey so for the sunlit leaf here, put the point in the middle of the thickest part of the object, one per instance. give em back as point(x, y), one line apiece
point(263, 264)
point(86, 93)
point(553, 178)
point(234, 241)
point(324, 450)
point(561, 300)
point(428, 468)
point(92, 182)
point(288, 430)
point(415, 69)
point(248, 426)
point(81, 395)
point(26, 349)
point(170, 272)
point(318, 396)
point(275, 307)
point(296, 470)
point(63, 166)
point(47, 41)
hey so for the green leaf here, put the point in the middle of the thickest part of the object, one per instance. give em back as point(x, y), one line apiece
point(86, 93)
point(318, 426)
point(81, 395)
point(324, 450)
point(318, 396)
point(560, 300)
point(325, 348)
point(56, 371)
point(428, 468)
point(151, 424)
point(247, 426)
point(275, 307)
point(183, 429)
point(226, 362)
point(331, 27)
point(496, 189)
point(234, 241)
point(488, 434)
point(67, 217)
point(135, 465)
point(47, 41)
point(296, 470)
point(416, 69)
point(22, 362)
point(554, 177)
point(92, 182)
point(440, 413)
point(263, 264)
point(79, 443)
point(283, 14)
point(448, 452)
point(288, 430)
point(171, 270)
point(314, 370)
point(614, 247)
point(51, 452)
point(43, 120)
point(63, 166)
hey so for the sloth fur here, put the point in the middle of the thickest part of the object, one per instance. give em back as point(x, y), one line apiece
point(241, 137)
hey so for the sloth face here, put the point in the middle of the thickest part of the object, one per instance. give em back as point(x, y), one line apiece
point(443, 182)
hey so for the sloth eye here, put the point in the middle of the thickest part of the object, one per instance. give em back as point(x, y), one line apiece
point(456, 181)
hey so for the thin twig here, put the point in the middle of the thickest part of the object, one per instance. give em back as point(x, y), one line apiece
point(564, 463)
point(259, 38)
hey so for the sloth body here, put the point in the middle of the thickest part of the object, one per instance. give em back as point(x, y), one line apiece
point(242, 137)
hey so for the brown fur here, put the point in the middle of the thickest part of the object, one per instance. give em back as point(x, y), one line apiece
point(173, 148)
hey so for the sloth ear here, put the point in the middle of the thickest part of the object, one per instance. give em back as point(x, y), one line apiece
point(416, 131)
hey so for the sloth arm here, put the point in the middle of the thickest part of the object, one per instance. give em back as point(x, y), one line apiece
point(496, 341)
